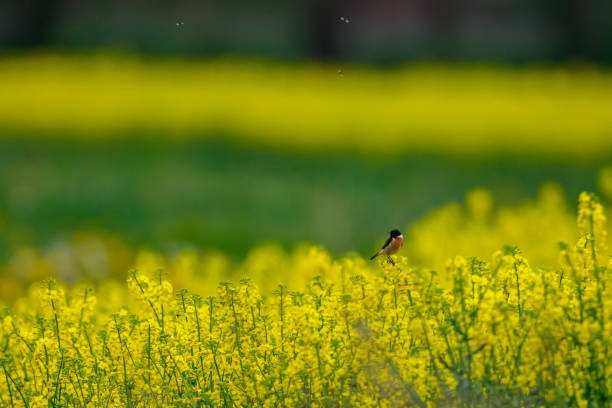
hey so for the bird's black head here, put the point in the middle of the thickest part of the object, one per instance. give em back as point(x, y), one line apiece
point(395, 233)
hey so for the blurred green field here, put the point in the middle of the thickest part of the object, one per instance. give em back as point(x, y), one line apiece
point(214, 195)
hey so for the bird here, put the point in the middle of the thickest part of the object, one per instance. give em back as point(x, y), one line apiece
point(391, 245)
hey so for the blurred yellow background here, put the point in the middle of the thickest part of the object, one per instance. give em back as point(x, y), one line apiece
point(546, 111)
point(105, 154)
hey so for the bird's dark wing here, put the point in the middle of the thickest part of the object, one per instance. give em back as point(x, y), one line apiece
point(387, 242)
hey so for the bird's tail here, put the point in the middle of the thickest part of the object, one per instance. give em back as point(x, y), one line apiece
point(375, 255)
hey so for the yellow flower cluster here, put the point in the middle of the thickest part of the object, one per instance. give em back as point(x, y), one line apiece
point(456, 110)
point(345, 333)
point(478, 228)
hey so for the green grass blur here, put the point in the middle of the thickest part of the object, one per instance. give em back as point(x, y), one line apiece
point(214, 195)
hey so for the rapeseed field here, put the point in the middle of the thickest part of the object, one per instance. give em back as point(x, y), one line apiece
point(456, 110)
point(498, 331)
point(138, 195)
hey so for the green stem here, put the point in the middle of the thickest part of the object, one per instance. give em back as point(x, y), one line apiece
point(128, 392)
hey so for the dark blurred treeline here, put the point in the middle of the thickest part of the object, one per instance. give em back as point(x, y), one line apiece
point(384, 31)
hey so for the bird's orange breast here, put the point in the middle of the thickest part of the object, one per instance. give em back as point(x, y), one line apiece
point(395, 244)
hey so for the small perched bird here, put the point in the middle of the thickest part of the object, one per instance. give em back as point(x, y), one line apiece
point(391, 245)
